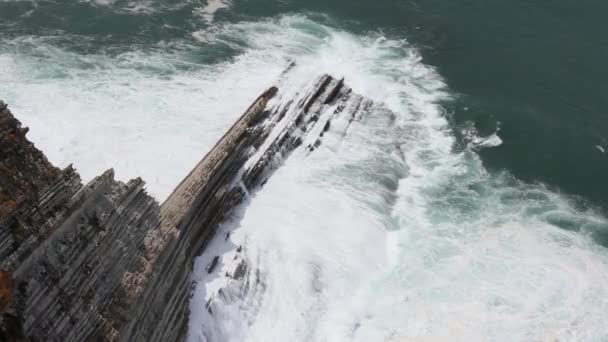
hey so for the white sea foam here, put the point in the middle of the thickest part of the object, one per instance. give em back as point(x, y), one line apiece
point(475, 141)
point(140, 7)
point(208, 11)
point(452, 253)
point(146, 113)
point(491, 140)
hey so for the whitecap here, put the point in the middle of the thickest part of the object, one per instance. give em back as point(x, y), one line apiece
point(208, 11)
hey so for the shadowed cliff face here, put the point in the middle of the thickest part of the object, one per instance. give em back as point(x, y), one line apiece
point(24, 170)
point(105, 261)
point(64, 248)
point(6, 290)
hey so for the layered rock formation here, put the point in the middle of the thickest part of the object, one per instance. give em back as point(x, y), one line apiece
point(295, 121)
point(104, 261)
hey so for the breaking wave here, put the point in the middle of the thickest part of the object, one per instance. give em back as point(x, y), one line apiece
point(389, 233)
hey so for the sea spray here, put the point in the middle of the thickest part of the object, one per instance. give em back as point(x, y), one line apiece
point(387, 232)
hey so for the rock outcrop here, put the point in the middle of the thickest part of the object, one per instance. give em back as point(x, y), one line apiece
point(295, 121)
point(104, 261)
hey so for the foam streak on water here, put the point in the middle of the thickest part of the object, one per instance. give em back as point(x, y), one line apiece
point(385, 233)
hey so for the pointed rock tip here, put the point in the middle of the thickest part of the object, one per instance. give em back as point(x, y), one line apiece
point(270, 93)
point(108, 173)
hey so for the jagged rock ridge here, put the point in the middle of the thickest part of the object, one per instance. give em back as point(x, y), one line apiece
point(294, 121)
point(105, 261)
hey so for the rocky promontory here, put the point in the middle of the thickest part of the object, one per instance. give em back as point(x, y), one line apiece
point(104, 261)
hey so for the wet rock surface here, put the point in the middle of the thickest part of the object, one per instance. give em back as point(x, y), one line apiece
point(105, 261)
point(292, 122)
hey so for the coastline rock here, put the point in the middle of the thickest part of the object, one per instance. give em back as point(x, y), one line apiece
point(105, 261)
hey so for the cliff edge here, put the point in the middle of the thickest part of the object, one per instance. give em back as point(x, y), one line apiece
point(105, 261)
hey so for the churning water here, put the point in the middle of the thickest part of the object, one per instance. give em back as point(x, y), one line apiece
point(393, 230)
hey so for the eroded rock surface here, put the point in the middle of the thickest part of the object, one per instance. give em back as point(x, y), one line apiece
point(104, 261)
point(292, 121)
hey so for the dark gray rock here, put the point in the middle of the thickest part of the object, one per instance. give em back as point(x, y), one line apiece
point(213, 264)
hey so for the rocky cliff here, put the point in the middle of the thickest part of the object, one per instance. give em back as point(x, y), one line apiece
point(104, 261)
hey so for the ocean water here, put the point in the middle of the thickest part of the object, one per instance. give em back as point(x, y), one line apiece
point(477, 212)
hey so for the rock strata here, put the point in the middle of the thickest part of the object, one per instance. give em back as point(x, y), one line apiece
point(294, 121)
point(105, 261)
